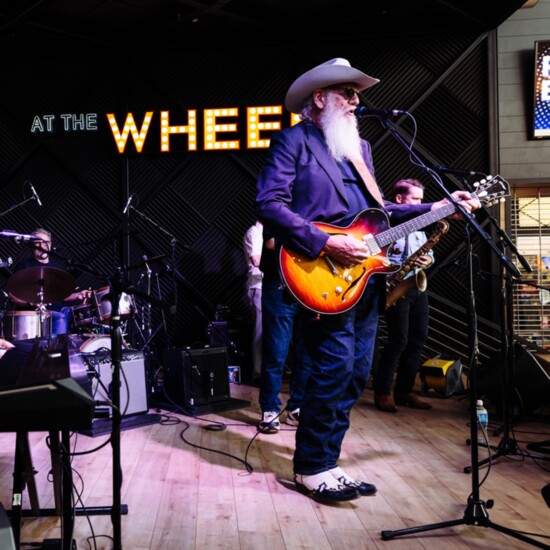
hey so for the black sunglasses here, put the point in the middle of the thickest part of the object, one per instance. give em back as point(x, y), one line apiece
point(349, 93)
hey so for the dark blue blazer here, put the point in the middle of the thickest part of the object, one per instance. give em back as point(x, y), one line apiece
point(301, 183)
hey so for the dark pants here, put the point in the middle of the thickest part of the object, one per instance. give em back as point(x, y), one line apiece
point(341, 348)
point(407, 323)
point(279, 329)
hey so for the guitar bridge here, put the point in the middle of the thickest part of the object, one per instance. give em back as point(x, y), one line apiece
point(369, 240)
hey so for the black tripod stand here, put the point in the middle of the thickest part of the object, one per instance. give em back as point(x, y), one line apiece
point(476, 509)
point(507, 445)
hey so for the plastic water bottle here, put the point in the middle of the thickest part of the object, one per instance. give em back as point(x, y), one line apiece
point(482, 421)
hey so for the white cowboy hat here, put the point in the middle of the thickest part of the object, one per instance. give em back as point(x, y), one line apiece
point(334, 71)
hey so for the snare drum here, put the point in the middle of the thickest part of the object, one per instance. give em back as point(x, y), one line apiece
point(101, 342)
point(23, 325)
point(82, 317)
point(104, 306)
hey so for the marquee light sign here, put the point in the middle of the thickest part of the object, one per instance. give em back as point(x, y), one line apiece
point(221, 128)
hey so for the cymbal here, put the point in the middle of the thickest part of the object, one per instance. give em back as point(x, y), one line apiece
point(27, 283)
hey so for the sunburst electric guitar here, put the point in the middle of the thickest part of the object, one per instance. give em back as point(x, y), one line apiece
point(325, 286)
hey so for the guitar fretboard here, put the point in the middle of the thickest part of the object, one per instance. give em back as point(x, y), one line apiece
point(400, 231)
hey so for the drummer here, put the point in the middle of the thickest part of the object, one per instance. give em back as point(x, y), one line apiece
point(41, 257)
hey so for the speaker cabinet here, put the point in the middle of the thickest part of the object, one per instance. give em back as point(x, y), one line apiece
point(194, 377)
point(529, 385)
point(133, 381)
point(236, 337)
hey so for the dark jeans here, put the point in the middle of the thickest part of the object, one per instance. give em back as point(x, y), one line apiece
point(407, 322)
point(341, 349)
point(278, 329)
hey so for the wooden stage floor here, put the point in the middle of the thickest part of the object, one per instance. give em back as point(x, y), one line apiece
point(187, 487)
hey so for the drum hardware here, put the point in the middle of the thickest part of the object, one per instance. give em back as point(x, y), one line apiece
point(171, 269)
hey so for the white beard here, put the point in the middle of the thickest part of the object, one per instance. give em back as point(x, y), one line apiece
point(341, 133)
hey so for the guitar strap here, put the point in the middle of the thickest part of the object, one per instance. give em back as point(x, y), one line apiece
point(367, 178)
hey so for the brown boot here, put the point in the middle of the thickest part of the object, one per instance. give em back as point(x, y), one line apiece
point(411, 400)
point(385, 403)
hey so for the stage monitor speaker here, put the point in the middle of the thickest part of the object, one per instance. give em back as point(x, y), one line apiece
point(133, 381)
point(195, 377)
point(530, 382)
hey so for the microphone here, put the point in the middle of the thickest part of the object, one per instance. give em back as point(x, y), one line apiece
point(18, 236)
point(382, 114)
point(456, 171)
point(35, 193)
point(128, 203)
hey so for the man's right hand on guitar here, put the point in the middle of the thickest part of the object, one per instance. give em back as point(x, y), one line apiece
point(346, 249)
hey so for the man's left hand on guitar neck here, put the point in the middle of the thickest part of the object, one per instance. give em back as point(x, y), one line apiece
point(467, 200)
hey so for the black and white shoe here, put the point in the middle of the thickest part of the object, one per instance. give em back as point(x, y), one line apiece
point(323, 487)
point(364, 489)
point(270, 423)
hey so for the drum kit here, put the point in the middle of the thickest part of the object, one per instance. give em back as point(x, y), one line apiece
point(44, 285)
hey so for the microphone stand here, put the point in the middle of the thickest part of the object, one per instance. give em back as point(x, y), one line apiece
point(173, 244)
point(117, 287)
point(116, 355)
point(25, 201)
point(508, 446)
point(476, 509)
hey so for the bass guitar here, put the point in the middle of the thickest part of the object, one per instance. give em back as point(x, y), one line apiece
point(325, 286)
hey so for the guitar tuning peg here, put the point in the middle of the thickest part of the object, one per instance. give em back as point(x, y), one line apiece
point(502, 199)
point(476, 184)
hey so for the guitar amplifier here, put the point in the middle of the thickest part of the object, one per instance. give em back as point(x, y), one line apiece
point(133, 381)
point(194, 377)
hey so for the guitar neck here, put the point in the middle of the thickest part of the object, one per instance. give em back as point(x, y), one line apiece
point(400, 231)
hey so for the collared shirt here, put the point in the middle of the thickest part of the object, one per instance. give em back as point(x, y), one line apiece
point(356, 192)
point(253, 244)
point(409, 245)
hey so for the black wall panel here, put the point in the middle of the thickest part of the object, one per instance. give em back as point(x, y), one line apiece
point(194, 207)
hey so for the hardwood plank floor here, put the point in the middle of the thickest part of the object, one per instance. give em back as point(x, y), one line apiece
point(187, 487)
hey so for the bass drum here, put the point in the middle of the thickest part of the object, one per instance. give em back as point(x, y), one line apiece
point(24, 325)
point(99, 343)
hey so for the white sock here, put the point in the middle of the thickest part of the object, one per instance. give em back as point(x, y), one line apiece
point(338, 473)
point(314, 481)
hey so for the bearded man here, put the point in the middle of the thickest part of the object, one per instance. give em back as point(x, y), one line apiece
point(320, 170)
